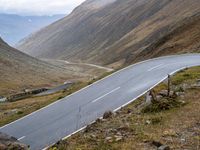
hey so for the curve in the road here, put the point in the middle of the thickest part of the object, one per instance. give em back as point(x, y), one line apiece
point(71, 114)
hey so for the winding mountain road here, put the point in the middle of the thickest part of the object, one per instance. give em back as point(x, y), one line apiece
point(70, 114)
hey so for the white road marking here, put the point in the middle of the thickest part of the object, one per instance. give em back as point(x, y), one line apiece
point(92, 65)
point(21, 138)
point(67, 62)
point(105, 95)
point(155, 67)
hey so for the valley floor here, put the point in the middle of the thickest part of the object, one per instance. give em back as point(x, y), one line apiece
point(72, 72)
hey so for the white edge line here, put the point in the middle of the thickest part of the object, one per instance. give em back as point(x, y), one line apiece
point(69, 135)
point(124, 104)
point(106, 94)
point(171, 56)
point(21, 138)
point(155, 67)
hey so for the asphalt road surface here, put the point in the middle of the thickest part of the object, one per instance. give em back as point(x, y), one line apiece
point(64, 117)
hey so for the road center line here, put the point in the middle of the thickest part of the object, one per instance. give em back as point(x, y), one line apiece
point(105, 95)
point(21, 138)
point(155, 67)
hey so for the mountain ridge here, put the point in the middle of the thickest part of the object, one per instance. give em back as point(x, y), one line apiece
point(115, 34)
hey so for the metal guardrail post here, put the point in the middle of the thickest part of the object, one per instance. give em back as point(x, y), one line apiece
point(169, 86)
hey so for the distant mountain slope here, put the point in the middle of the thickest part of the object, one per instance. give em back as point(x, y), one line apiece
point(120, 32)
point(14, 28)
point(20, 71)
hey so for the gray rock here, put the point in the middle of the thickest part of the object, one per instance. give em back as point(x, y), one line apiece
point(118, 138)
point(197, 85)
point(164, 147)
point(198, 81)
point(183, 140)
point(3, 99)
point(148, 122)
point(185, 86)
point(109, 139)
point(180, 93)
point(164, 93)
point(159, 97)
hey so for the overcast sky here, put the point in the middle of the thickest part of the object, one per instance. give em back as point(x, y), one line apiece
point(38, 7)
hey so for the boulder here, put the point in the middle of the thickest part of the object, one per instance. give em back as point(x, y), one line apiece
point(164, 93)
point(180, 93)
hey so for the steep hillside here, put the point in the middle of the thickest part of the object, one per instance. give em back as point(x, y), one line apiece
point(120, 32)
point(19, 71)
point(14, 28)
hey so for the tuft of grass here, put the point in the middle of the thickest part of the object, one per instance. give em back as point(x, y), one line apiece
point(156, 120)
point(188, 75)
point(20, 112)
point(162, 105)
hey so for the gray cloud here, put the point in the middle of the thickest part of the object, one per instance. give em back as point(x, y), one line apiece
point(38, 7)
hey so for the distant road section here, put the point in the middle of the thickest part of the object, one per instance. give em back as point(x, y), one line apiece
point(56, 89)
point(70, 114)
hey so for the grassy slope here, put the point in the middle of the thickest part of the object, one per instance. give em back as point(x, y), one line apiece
point(178, 127)
point(159, 36)
point(182, 39)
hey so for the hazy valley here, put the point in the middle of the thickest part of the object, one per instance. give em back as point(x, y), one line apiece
point(14, 28)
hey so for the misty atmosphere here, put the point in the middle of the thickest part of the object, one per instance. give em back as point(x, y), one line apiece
point(100, 74)
point(14, 28)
